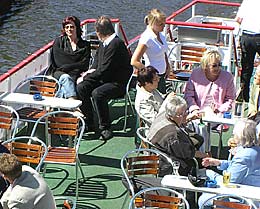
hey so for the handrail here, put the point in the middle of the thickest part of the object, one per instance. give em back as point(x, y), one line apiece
point(174, 14)
point(201, 25)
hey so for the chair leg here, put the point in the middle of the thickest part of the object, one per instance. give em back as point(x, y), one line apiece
point(44, 169)
point(220, 141)
point(125, 117)
point(77, 182)
point(81, 171)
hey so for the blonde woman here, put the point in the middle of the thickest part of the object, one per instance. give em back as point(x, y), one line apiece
point(152, 47)
point(209, 89)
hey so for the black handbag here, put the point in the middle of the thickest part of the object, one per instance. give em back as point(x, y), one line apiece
point(198, 177)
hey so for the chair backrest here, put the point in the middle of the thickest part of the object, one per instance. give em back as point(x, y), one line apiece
point(158, 197)
point(142, 134)
point(142, 162)
point(9, 120)
point(229, 201)
point(67, 202)
point(61, 123)
point(30, 150)
point(46, 85)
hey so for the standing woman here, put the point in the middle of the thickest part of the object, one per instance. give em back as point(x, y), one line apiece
point(152, 47)
point(70, 57)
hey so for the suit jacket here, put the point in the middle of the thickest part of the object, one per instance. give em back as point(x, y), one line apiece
point(198, 86)
point(112, 63)
point(253, 100)
point(245, 166)
point(29, 191)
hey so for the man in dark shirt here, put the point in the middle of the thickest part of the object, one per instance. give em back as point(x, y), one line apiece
point(107, 78)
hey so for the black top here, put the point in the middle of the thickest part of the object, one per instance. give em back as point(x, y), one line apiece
point(112, 63)
point(65, 60)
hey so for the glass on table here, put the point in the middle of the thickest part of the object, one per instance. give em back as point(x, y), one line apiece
point(176, 166)
point(239, 109)
point(226, 177)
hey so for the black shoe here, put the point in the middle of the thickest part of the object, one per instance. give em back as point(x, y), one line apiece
point(106, 134)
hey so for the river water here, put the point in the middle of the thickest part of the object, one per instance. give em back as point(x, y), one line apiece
point(30, 24)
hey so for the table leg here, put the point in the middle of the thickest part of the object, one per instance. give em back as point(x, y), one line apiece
point(207, 142)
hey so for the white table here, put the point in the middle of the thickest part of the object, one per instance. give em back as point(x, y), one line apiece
point(217, 120)
point(47, 102)
point(182, 183)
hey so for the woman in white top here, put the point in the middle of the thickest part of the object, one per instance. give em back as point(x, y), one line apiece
point(152, 47)
point(148, 99)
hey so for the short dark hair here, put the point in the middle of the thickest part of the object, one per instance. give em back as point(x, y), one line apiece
point(76, 21)
point(146, 75)
point(104, 26)
point(10, 166)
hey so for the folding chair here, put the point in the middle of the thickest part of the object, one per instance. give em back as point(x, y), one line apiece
point(7, 122)
point(45, 85)
point(67, 127)
point(144, 164)
point(152, 198)
point(229, 201)
point(30, 150)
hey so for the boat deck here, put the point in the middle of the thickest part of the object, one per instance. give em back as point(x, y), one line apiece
point(102, 187)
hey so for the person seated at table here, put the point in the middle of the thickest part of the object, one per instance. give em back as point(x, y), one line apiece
point(254, 104)
point(107, 79)
point(168, 136)
point(27, 189)
point(244, 167)
point(209, 89)
point(70, 57)
point(148, 99)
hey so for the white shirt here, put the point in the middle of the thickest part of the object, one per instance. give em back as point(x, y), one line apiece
point(155, 52)
point(109, 39)
point(249, 10)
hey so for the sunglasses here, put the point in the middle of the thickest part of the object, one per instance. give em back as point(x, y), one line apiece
point(215, 65)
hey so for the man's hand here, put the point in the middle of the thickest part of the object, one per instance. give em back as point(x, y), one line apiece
point(80, 79)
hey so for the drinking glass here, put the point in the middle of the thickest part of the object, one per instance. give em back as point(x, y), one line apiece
point(176, 166)
point(239, 109)
point(226, 177)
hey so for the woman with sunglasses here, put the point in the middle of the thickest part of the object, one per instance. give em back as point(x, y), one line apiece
point(70, 56)
point(209, 89)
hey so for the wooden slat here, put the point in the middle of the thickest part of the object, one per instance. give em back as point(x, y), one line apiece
point(63, 126)
point(63, 119)
point(6, 114)
point(6, 120)
point(61, 154)
point(143, 158)
point(43, 83)
point(155, 197)
point(192, 48)
point(227, 204)
point(6, 126)
point(63, 132)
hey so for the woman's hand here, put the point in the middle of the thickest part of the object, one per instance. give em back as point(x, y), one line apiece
point(209, 161)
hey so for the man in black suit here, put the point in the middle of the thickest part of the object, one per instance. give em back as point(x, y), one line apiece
point(107, 78)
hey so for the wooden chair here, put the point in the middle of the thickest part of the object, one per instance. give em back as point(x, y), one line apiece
point(45, 85)
point(9, 120)
point(63, 126)
point(30, 150)
point(158, 197)
point(142, 163)
point(229, 201)
point(68, 202)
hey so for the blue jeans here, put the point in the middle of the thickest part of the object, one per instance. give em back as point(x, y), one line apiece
point(68, 88)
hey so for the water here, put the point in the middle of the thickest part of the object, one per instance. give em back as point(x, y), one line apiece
point(30, 24)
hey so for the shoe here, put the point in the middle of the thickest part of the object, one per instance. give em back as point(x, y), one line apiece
point(106, 134)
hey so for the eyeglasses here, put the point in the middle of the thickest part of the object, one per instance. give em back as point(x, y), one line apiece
point(185, 113)
point(215, 65)
point(69, 26)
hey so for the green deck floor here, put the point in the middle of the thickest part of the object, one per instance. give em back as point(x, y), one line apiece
point(102, 188)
